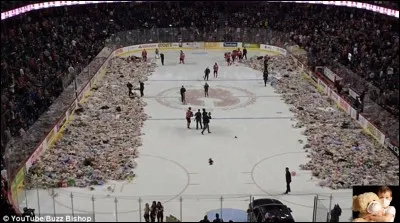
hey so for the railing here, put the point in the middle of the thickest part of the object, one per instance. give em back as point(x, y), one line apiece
point(110, 207)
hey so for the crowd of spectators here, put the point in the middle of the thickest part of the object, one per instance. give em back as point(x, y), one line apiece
point(39, 48)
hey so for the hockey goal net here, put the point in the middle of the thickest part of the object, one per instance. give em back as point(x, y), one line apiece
point(198, 48)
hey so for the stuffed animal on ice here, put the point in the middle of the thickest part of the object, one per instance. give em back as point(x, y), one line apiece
point(367, 204)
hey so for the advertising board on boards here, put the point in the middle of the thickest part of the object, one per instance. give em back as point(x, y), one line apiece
point(395, 149)
point(273, 49)
point(251, 45)
point(152, 45)
point(18, 183)
point(230, 44)
point(374, 132)
point(344, 105)
point(118, 51)
point(62, 121)
point(335, 97)
point(325, 87)
point(191, 45)
point(211, 45)
point(35, 155)
point(164, 45)
point(50, 136)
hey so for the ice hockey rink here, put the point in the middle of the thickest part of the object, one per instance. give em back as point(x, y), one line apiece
point(173, 164)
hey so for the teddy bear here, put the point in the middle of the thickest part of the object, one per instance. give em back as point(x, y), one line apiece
point(365, 204)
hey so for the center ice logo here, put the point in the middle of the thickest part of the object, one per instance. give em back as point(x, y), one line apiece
point(220, 97)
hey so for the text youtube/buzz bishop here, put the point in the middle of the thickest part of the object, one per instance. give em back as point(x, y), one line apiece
point(48, 218)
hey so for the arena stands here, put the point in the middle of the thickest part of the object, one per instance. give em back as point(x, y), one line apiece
point(39, 47)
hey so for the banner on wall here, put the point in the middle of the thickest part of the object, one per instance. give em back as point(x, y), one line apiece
point(230, 44)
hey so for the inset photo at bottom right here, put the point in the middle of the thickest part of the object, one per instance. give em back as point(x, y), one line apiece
point(375, 203)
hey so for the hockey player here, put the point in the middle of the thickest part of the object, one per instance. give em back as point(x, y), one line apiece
point(189, 115)
point(265, 76)
point(141, 88)
point(182, 58)
point(206, 122)
point(215, 70)
point(183, 91)
point(240, 56)
point(206, 90)
point(157, 53)
point(130, 87)
point(206, 73)
point(244, 53)
point(266, 59)
point(204, 112)
point(233, 55)
point(197, 117)
point(162, 58)
point(228, 58)
point(144, 55)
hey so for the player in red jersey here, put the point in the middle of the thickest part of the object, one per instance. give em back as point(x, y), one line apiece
point(215, 70)
point(144, 55)
point(233, 55)
point(182, 58)
point(228, 58)
point(240, 56)
point(189, 115)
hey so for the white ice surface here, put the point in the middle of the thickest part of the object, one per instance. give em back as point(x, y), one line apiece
point(174, 160)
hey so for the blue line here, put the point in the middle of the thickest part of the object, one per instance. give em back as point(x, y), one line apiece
point(203, 80)
point(233, 118)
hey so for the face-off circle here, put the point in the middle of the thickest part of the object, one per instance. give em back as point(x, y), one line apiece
point(220, 97)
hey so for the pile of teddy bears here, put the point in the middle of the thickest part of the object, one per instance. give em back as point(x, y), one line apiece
point(341, 154)
point(100, 143)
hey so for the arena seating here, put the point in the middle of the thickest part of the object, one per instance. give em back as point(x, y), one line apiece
point(38, 47)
